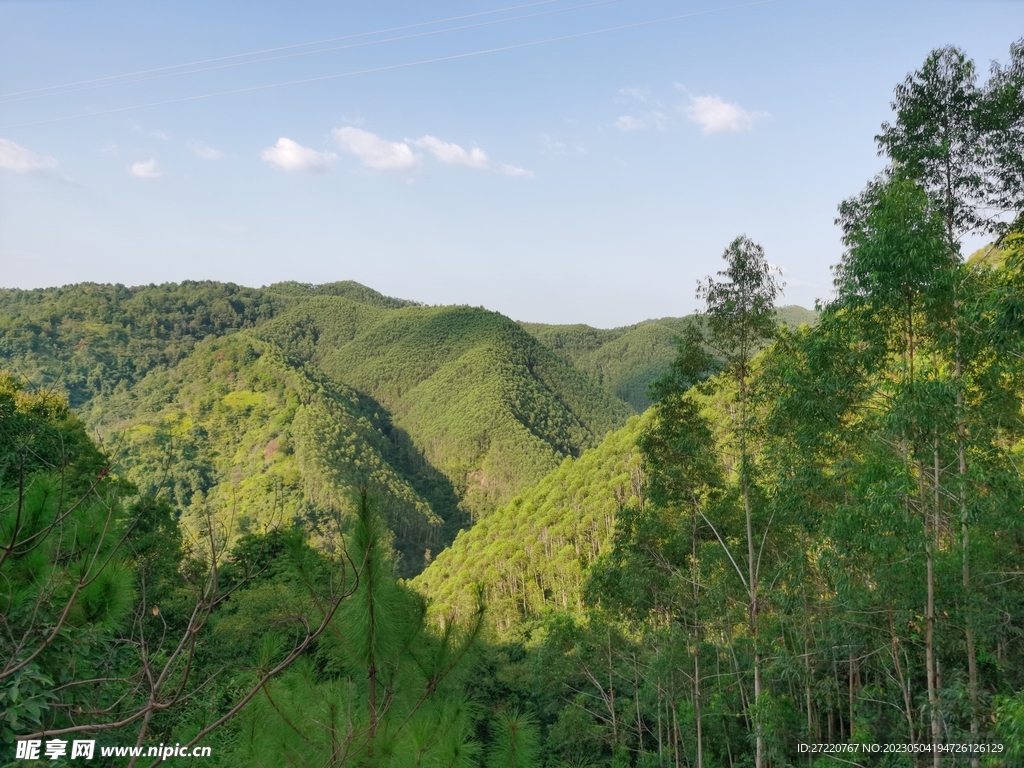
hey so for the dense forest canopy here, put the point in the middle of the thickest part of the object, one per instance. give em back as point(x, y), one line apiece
point(314, 525)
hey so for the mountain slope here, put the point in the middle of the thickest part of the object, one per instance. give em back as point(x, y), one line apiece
point(532, 553)
point(239, 440)
point(90, 338)
point(622, 360)
point(484, 402)
point(625, 361)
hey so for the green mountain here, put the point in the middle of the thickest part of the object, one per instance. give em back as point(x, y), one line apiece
point(252, 407)
point(276, 402)
point(532, 554)
point(90, 339)
point(793, 316)
point(622, 360)
point(626, 360)
point(242, 442)
point(487, 404)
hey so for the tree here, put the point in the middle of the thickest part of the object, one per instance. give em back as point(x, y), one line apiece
point(739, 315)
point(937, 138)
point(682, 474)
point(1002, 117)
point(899, 269)
point(84, 628)
point(964, 146)
point(377, 678)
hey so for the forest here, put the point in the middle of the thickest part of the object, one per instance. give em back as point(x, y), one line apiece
point(312, 525)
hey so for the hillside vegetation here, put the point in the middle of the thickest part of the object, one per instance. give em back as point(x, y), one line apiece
point(241, 442)
point(532, 554)
point(626, 361)
point(483, 401)
point(254, 407)
point(88, 339)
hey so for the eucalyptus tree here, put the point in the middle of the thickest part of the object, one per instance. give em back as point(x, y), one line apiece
point(964, 145)
point(739, 317)
point(1002, 115)
point(897, 275)
point(660, 545)
point(810, 386)
point(936, 138)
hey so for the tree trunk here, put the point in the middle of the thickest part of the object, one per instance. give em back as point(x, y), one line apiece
point(695, 574)
point(853, 689)
point(611, 692)
point(696, 706)
point(929, 651)
point(904, 683)
point(753, 611)
point(636, 702)
point(961, 455)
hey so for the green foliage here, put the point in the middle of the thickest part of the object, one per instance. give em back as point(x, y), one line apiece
point(240, 441)
point(516, 741)
point(65, 582)
point(936, 137)
point(483, 402)
point(740, 310)
point(531, 555)
point(627, 361)
point(1009, 728)
point(379, 690)
point(25, 697)
point(897, 251)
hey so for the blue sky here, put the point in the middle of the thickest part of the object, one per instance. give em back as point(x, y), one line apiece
point(591, 179)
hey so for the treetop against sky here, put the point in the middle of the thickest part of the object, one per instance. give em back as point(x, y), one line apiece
point(557, 161)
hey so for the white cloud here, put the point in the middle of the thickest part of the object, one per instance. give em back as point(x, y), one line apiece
point(453, 154)
point(714, 115)
point(650, 120)
point(373, 151)
point(289, 156)
point(515, 171)
point(110, 148)
point(16, 158)
point(204, 151)
point(629, 123)
point(145, 169)
point(380, 154)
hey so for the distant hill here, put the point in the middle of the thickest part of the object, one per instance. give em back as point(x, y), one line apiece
point(532, 553)
point(488, 405)
point(989, 256)
point(239, 441)
point(794, 316)
point(90, 338)
point(626, 360)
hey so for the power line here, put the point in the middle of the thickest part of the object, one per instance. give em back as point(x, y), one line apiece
point(389, 67)
point(35, 95)
point(281, 48)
